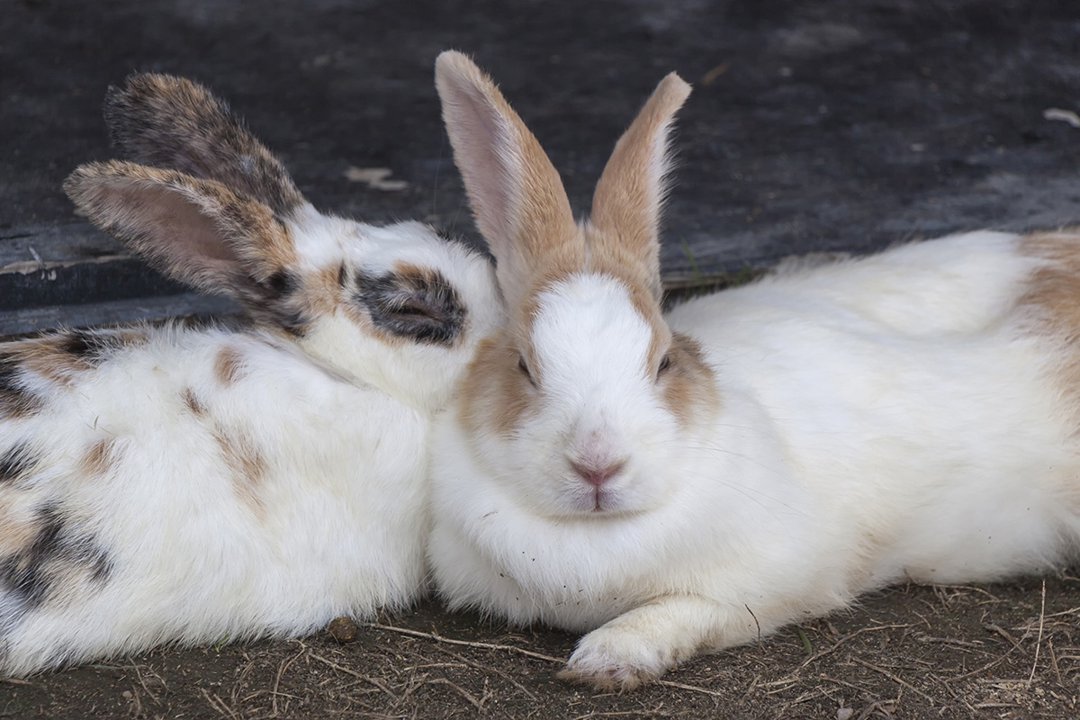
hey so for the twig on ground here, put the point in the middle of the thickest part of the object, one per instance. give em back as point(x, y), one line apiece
point(1038, 639)
point(895, 678)
point(349, 671)
point(469, 697)
point(521, 651)
point(277, 678)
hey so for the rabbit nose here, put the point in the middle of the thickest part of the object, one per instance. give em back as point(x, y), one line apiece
point(597, 474)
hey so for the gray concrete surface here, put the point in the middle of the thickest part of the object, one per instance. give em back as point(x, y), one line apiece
point(830, 125)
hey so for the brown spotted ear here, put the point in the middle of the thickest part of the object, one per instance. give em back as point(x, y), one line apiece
point(196, 231)
point(171, 122)
point(626, 205)
point(516, 195)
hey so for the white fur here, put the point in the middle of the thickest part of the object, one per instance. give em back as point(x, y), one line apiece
point(879, 419)
point(340, 419)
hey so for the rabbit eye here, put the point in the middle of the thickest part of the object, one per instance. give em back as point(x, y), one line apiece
point(524, 368)
point(665, 363)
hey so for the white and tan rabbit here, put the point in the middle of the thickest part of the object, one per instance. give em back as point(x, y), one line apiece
point(682, 483)
point(181, 484)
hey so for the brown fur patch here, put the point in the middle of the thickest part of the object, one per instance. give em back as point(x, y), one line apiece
point(229, 365)
point(494, 392)
point(16, 532)
point(689, 384)
point(246, 463)
point(175, 123)
point(192, 402)
point(1053, 291)
point(100, 457)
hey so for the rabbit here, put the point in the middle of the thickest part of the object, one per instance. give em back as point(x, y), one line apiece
point(193, 484)
point(671, 484)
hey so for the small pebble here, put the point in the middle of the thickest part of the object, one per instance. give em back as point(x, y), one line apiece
point(343, 629)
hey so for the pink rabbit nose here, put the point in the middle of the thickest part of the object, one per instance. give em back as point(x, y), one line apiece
point(597, 475)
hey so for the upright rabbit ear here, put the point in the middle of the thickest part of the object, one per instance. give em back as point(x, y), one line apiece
point(628, 199)
point(516, 195)
point(171, 122)
point(196, 231)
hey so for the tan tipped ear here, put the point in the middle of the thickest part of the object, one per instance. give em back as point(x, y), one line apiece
point(628, 199)
point(196, 231)
point(516, 195)
point(172, 122)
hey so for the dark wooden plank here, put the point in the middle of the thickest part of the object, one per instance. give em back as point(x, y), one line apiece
point(27, 321)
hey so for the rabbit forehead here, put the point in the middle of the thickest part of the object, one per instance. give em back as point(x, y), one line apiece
point(588, 325)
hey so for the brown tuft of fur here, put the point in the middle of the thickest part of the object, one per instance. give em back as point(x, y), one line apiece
point(229, 365)
point(241, 454)
point(175, 123)
point(1053, 292)
point(192, 402)
point(100, 457)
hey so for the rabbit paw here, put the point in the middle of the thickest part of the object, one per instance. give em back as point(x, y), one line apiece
point(612, 658)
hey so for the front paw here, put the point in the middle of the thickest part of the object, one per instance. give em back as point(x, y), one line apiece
point(611, 658)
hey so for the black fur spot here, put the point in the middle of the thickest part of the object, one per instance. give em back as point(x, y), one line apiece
point(280, 284)
point(415, 303)
point(270, 301)
point(91, 347)
point(54, 555)
point(15, 400)
point(17, 462)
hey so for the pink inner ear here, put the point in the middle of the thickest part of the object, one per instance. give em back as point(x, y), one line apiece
point(486, 155)
point(168, 229)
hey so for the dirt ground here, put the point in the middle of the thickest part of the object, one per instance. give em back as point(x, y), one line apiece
point(996, 651)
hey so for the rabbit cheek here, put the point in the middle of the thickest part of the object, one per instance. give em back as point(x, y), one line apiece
point(689, 385)
point(494, 394)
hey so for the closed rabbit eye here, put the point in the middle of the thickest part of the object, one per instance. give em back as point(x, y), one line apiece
point(524, 368)
point(414, 302)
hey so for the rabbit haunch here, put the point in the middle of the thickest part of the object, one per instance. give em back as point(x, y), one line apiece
point(685, 482)
point(188, 484)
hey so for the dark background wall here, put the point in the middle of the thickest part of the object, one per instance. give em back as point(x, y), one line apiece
point(828, 125)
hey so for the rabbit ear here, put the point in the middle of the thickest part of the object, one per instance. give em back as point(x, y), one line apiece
point(516, 195)
point(196, 231)
point(626, 205)
point(171, 122)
